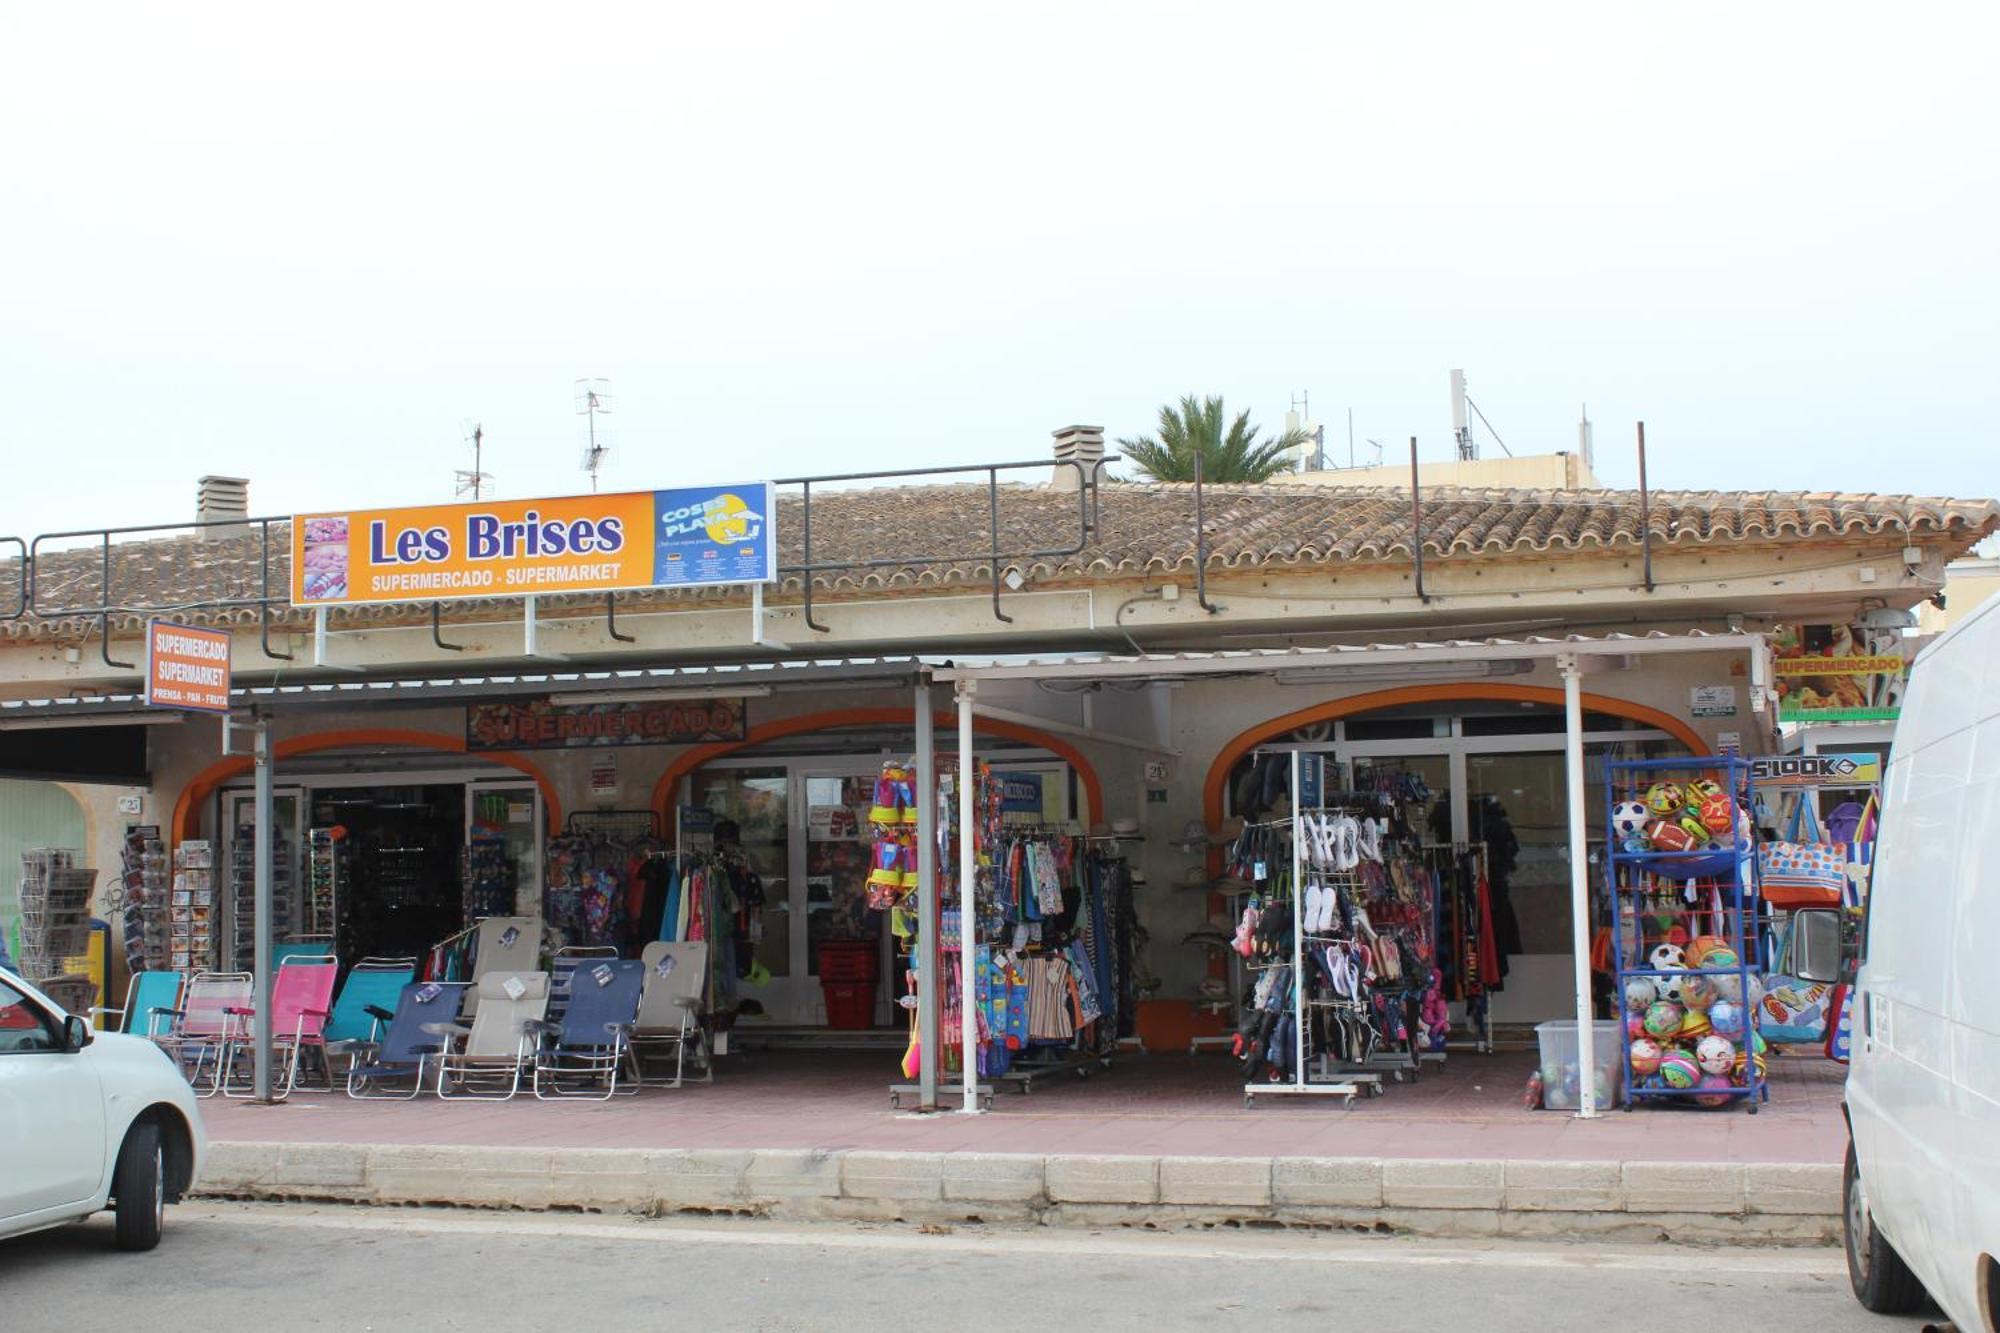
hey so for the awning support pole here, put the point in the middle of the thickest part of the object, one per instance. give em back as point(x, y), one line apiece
point(930, 952)
point(261, 948)
point(1579, 883)
point(968, 904)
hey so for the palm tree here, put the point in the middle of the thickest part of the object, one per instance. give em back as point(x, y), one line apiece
point(1194, 430)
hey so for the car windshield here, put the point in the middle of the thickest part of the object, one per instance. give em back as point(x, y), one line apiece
point(23, 1026)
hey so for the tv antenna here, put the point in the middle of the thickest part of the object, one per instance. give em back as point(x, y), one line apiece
point(472, 485)
point(593, 400)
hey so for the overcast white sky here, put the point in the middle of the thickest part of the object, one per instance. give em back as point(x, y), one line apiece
point(303, 243)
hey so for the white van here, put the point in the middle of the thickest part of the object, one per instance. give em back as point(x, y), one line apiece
point(1923, 1093)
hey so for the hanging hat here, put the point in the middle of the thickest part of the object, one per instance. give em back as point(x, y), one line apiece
point(1125, 827)
point(1231, 830)
point(1194, 836)
point(1100, 829)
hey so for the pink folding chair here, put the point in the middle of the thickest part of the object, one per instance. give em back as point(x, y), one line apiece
point(301, 1007)
point(200, 1029)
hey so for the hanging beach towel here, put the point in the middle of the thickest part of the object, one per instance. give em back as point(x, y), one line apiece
point(1861, 854)
point(1802, 870)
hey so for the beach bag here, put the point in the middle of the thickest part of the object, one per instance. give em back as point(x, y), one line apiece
point(1801, 869)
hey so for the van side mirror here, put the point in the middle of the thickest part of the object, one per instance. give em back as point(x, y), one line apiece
point(1818, 940)
point(76, 1033)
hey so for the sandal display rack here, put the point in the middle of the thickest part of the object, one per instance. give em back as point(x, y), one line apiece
point(1305, 1081)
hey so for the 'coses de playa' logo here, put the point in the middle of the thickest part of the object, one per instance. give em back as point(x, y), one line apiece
point(731, 521)
point(723, 519)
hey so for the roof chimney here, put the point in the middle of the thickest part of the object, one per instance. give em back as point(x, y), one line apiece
point(221, 500)
point(1081, 445)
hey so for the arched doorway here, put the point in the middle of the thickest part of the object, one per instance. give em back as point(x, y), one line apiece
point(795, 794)
point(385, 840)
point(1491, 759)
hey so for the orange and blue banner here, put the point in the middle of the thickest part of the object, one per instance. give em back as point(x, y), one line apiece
point(687, 536)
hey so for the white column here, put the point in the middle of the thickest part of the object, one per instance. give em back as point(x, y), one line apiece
point(968, 916)
point(1298, 927)
point(260, 960)
point(1579, 884)
point(929, 954)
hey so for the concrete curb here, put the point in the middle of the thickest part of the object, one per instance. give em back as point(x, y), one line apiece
point(1760, 1203)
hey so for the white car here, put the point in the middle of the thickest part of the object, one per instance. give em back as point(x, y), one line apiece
point(88, 1120)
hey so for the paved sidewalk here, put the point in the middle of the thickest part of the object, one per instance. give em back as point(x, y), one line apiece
point(1156, 1105)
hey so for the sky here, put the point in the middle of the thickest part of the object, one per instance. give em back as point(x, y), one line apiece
point(309, 245)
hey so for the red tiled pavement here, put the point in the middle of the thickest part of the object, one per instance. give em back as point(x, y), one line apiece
point(1150, 1104)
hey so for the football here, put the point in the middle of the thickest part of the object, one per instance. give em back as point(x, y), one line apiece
point(1628, 818)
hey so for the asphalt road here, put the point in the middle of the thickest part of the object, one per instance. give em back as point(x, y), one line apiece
point(309, 1267)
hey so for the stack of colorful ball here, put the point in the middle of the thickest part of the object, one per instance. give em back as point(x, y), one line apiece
point(1684, 1035)
point(1680, 817)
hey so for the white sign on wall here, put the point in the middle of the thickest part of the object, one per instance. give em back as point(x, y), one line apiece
point(1713, 700)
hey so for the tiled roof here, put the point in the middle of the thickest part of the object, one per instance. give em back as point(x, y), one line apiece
point(1140, 529)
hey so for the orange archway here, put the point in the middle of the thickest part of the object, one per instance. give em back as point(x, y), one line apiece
point(187, 809)
point(1329, 710)
point(690, 760)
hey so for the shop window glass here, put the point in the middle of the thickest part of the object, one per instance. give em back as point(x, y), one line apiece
point(1391, 729)
point(838, 844)
point(1537, 722)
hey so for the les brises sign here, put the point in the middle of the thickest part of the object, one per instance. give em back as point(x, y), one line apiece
point(690, 536)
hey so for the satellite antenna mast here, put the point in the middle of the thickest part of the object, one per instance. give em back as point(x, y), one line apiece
point(473, 484)
point(1461, 429)
point(593, 400)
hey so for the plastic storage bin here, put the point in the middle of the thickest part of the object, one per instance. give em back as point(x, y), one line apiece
point(850, 1006)
point(1561, 1079)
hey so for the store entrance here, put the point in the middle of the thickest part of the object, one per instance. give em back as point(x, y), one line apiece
point(402, 845)
point(802, 824)
point(1495, 777)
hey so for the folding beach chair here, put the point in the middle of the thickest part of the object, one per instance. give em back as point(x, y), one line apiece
point(372, 984)
point(484, 1061)
point(504, 944)
point(580, 1056)
point(150, 999)
point(301, 1004)
point(562, 967)
point(670, 1007)
point(402, 1043)
point(198, 1030)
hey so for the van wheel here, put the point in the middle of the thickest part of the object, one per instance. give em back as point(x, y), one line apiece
point(140, 1184)
point(1882, 1282)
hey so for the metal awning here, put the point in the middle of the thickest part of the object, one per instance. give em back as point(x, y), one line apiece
point(889, 672)
point(1333, 660)
point(882, 672)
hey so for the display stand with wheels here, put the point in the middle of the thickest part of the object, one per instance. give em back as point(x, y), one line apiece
point(1683, 882)
point(1288, 978)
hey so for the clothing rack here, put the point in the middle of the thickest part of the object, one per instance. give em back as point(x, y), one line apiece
point(1463, 933)
point(1081, 980)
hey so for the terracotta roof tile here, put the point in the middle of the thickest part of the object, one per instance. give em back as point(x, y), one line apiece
point(1142, 529)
